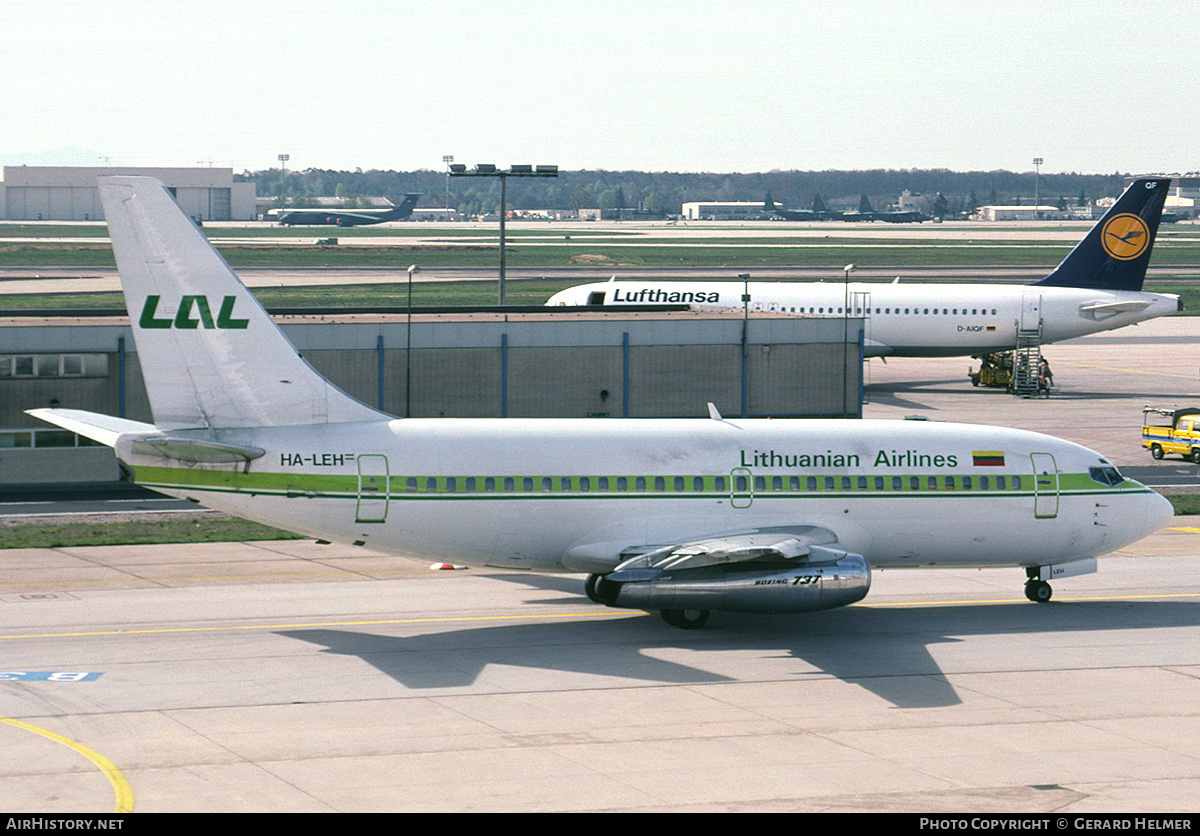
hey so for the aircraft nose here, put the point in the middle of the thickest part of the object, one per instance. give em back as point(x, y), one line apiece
point(1159, 513)
point(1153, 512)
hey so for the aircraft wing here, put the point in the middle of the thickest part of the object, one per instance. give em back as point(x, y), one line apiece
point(800, 544)
point(789, 543)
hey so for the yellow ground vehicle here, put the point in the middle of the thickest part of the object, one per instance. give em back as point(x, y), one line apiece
point(995, 371)
point(1171, 431)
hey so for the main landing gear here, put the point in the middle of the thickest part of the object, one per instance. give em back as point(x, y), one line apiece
point(1036, 589)
point(684, 619)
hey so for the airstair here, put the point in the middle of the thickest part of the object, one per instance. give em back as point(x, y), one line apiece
point(1027, 357)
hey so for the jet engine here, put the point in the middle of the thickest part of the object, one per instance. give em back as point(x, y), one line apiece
point(824, 579)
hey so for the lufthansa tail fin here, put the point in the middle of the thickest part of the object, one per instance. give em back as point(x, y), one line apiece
point(210, 355)
point(1115, 253)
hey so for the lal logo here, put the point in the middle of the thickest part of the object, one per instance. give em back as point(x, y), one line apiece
point(1125, 237)
point(183, 316)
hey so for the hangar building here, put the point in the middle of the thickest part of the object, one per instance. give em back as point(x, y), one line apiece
point(502, 364)
point(68, 193)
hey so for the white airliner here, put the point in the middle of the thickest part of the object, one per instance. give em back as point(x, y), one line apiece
point(682, 516)
point(1097, 287)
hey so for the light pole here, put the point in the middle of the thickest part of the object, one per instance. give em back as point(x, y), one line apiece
point(745, 277)
point(489, 170)
point(408, 348)
point(1037, 176)
point(846, 336)
point(447, 159)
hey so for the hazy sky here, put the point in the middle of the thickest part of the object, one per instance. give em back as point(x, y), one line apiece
point(655, 85)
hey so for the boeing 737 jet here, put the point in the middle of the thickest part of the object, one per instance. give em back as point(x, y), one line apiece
point(1097, 287)
point(683, 516)
point(359, 217)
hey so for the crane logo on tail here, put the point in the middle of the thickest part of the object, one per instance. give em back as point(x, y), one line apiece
point(1125, 237)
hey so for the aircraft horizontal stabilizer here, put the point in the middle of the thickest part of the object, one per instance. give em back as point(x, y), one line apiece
point(102, 428)
point(194, 450)
point(1104, 310)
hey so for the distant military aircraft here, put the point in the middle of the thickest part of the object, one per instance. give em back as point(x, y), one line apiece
point(864, 213)
point(359, 217)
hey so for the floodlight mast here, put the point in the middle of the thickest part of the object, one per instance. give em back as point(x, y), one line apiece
point(489, 170)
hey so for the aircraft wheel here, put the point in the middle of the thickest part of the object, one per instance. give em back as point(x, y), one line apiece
point(1038, 591)
point(686, 619)
point(589, 587)
point(1156, 451)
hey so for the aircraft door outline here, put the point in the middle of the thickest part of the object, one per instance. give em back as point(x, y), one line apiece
point(1045, 486)
point(373, 488)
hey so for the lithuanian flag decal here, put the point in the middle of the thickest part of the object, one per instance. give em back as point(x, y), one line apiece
point(988, 458)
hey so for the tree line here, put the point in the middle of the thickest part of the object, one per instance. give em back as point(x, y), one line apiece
point(663, 193)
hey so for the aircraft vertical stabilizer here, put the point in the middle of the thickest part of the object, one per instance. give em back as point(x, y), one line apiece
point(210, 354)
point(1114, 255)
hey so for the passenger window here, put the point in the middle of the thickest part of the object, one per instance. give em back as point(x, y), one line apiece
point(489, 484)
point(862, 483)
point(897, 483)
point(565, 483)
point(776, 483)
point(760, 483)
point(451, 484)
point(878, 483)
point(527, 484)
point(602, 483)
point(914, 482)
point(845, 483)
point(719, 483)
point(510, 484)
point(966, 483)
point(812, 483)
point(660, 484)
point(679, 483)
point(639, 483)
point(698, 483)
point(1016, 483)
point(932, 484)
point(828, 483)
point(622, 483)
point(984, 484)
point(1000, 485)
point(585, 483)
point(950, 483)
point(740, 483)
point(431, 484)
point(793, 483)
point(410, 484)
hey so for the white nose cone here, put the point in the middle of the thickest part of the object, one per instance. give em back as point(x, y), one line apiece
point(1156, 512)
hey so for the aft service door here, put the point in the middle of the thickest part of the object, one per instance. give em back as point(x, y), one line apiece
point(372, 488)
point(1045, 486)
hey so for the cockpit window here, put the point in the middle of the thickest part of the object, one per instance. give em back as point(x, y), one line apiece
point(1106, 475)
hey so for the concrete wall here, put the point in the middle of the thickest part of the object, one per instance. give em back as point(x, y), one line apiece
point(473, 367)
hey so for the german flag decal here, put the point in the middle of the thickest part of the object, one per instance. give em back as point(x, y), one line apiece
point(988, 458)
